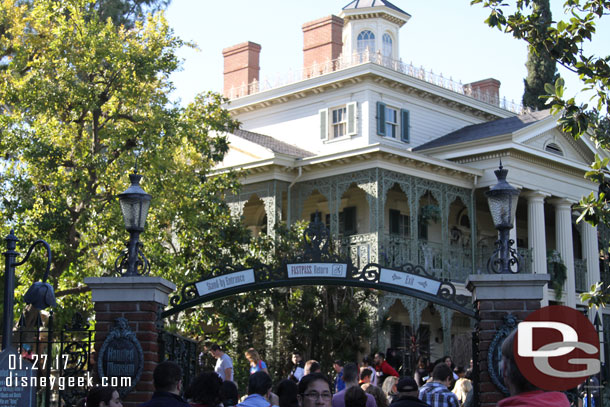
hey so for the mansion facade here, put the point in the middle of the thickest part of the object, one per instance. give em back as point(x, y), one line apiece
point(396, 160)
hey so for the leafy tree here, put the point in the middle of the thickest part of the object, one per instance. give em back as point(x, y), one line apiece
point(541, 67)
point(126, 12)
point(565, 41)
point(79, 96)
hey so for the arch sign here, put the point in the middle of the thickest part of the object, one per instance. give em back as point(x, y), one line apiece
point(318, 266)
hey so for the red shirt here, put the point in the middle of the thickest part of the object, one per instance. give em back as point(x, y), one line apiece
point(386, 369)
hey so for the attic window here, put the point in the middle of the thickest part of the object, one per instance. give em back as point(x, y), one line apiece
point(554, 149)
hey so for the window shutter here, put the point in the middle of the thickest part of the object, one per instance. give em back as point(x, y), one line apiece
point(323, 124)
point(381, 118)
point(404, 125)
point(351, 118)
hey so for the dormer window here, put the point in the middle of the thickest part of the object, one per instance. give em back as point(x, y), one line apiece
point(554, 148)
point(387, 45)
point(366, 40)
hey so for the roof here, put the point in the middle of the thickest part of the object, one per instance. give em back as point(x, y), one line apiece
point(356, 4)
point(272, 144)
point(486, 130)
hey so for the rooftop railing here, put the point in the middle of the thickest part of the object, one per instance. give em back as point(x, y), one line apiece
point(344, 62)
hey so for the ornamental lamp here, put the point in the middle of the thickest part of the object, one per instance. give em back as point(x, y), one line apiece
point(502, 199)
point(134, 203)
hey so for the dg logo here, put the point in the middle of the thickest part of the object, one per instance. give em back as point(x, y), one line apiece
point(557, 348)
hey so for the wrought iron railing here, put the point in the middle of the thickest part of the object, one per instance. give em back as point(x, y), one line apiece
point(184, 351)
point(483, 255)
point(346, 61)
point(395, 250)
point(580, 275)
point(360, 248)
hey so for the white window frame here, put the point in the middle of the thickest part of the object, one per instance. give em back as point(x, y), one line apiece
point(348, 123)
point(392, 125)
point(340, 125)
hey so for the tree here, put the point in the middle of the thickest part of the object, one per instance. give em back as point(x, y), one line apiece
point(79, 98)
point(565, 42)
point(126, 12)
point(541, 67)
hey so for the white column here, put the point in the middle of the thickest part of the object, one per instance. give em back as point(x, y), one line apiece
point(536, 235)
point(590, 252)
point(564, 244)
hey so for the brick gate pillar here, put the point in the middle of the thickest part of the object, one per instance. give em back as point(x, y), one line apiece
point(496, 296)
point(139, 300)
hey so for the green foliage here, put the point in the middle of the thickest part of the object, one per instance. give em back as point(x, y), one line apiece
point(126, 12)
point(565, 42)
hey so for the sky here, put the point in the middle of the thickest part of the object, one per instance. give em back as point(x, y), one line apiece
point(443, 36)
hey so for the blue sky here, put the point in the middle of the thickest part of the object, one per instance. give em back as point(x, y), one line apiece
point(445, 36)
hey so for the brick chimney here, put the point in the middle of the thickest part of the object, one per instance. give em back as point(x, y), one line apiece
point(486, 90)
point(241, 67)
point(322, 41)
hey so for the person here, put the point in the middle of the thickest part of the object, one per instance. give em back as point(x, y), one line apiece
point(101, 396)
point(287, 391)
point(422, 371)
point(436, 393)
point(383, 368)
point(380, 398)
point(339, 383)
point(407, 392)
point(389, 388)
point(522, 392)
point(256, 363)
point(259, 387)
point(367, 363)
point(449, 362)
point(355, 397)
point(365, 376)
point(228, 393)
point(462, 385)
point(298, 370)
point(312, 366)
point(314, 391)
point(224, 364)
point(204, 391)
point(167, 379)
point(350, 377)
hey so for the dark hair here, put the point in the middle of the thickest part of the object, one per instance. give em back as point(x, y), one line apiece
point(214, 347)
point(296, 352)
point(365, 372)
point(310, 378)
point(338, 362)
point(314, 366)
point(287, 393)
point(96, 395)
point(355, 397)
point(422, 360)
point(350, 373)
point(381, 355)
point(368, 360)
point(167, 375)
point(459, 370)
point(513, 374)
point(205, 389)
point(259, 383)
point(228, 393)
point(441, 372)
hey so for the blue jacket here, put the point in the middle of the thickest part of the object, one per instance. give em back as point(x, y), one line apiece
point(254, 400)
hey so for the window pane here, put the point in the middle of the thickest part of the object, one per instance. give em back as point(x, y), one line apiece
point(387, 45)
point(366, 39)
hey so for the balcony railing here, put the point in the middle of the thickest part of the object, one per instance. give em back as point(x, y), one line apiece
point(580, 274)
point(344, 62)
point(483, 256)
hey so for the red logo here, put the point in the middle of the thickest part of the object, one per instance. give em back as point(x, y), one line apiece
point(557, 348)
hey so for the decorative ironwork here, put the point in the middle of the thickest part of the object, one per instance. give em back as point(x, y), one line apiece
point(122, 262)
point(494, 355)
point(181, 350)
point(495, 264)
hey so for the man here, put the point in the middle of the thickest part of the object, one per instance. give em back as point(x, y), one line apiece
point(339, 383)
point(224, 364)
point(522, 392)
point(436, 393)
point(407, 392)
point(259, 387)
point(383, 368)
point(167, 378)
point(365, 376)
point(314, 391)
point(350, 377)
point(312, 366)
point(298, 371)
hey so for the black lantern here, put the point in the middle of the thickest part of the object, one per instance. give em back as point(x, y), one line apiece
point(134, 203)
point(502, 199)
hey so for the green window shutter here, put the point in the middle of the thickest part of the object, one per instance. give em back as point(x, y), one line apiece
point(324, 124)
point(381, 118)
point(404, 125)
point(351, 118)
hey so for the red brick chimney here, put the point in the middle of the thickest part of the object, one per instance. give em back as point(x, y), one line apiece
point(322, 41)
point(241, 67)
point(486, 90)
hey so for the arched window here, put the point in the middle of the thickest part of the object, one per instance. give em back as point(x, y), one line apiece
point(553, 148)
point(387, 45)
point(366, 39)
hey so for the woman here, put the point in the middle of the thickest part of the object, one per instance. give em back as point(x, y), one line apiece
point(287, 392)
point(380, 397)
point(101, 396)
point(389, 387)
point(462, 385)
point(256, 364)
point(229, 394)
point(205, 390)
point(422, 371)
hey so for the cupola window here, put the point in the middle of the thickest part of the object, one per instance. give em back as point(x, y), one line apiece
point(387, 45)
point(366, 40)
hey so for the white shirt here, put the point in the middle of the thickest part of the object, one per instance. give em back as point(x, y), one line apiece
point(222, 363)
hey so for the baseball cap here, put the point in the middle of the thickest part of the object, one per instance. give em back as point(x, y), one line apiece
point(406, 384)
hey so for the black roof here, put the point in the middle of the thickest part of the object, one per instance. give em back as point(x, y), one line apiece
point(373, 3)
point(274, 145)
point(485, 130)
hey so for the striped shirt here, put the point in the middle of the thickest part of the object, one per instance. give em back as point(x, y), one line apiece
point(437, 395)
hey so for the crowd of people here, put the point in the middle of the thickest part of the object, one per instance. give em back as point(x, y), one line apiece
point(372, 383)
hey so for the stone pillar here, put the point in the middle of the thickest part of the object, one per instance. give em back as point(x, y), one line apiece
point(536, 234)
point(139, 300)
point(565, 246)
point(590, 252)
point(496, 296)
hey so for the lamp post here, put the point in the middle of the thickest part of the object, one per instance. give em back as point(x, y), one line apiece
point(502, 199)
point(134, 203)
point(40, 294)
